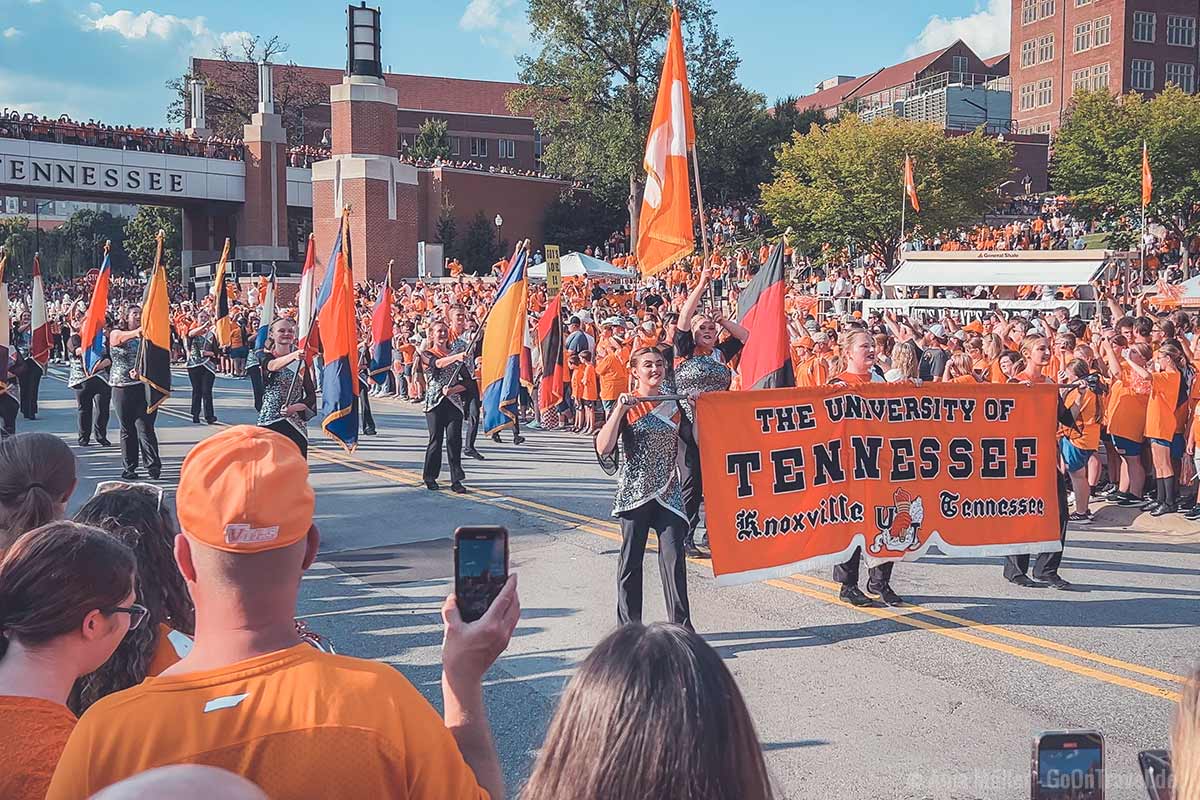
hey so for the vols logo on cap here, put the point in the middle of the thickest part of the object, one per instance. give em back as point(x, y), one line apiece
point(241, 533)
point(898, 524)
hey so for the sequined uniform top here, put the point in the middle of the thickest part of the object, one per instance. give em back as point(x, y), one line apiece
point(124, 358)
point(703, 372)
point(199, 348)
point(648, 447)
point(438, 378)
point(77, 377)
point(282, 388)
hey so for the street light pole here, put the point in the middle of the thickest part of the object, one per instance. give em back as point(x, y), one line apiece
point(499, 242)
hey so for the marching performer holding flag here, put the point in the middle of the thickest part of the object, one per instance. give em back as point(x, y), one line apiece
point(90, 362)
point(266, 316)
point(202, 367)
point(289, 397)
point(34, 337)
point(10, 402)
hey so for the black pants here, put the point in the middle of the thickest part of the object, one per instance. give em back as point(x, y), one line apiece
point(1045, 567)
point(364, 401)
point(202, 379)
point(9, 406)
point(635, 530)
point(445, 424)
point(137, 428)
point(471, 408)
point(691, 482)
point(289, 430)
point(29, 380)
point(93, 398)
point(878, 577)
point(256, 384)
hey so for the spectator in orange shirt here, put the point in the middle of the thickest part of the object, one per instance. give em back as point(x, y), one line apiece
point(588, 391)
point(251, 696)
point(66, 600)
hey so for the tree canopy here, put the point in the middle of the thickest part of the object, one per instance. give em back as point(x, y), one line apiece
point(140, 233)
point(432, 140)
point(1097, 160)
point(591, 88)
point(842, 184)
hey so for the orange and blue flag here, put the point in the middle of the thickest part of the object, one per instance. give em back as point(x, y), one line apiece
point(339, 344)
point(266, 314)
point(92, 332)
point(503, 340)
point(382, 331)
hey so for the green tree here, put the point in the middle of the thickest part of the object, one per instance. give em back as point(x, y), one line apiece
point(432, 140)
point(479, 247)
point(1097, 160)
point(842, 183)
point(591, 89)
point(447, 226)
point(577, 219)
point(85, 233)
point(140, 233)
point(16, 236)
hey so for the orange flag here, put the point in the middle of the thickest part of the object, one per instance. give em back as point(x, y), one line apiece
point(910, 184)
point(1147, 177)
point(665, 225)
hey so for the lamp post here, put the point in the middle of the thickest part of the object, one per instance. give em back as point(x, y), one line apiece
point(499, 243)
point(37, 223)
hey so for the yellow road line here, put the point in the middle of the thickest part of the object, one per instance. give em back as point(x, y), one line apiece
point(910, 616)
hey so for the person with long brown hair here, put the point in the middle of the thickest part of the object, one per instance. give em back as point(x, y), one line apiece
point(694, 735)
point(1185, 742)
point(66, 601)
point(643, 438)
point(37, 477)
point(136, 515)
point(444, 412)
point(289, 397)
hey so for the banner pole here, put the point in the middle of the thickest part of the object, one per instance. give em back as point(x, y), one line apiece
point(703, 225)
point(903, 207)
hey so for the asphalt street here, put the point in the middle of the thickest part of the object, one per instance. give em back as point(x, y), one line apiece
point(938, 700)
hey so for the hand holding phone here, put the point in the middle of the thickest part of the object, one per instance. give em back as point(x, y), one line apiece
point(1068, 765)
point(480, 568)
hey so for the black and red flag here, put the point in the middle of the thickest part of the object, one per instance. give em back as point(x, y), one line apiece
point(766, 360)
point(550, 342)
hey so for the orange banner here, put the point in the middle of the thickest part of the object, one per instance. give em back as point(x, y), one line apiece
point(795, 479)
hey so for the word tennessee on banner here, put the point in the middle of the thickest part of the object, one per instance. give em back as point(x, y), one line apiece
point(796, 479)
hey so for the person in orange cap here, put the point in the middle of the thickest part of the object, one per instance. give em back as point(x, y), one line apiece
point(255, 698)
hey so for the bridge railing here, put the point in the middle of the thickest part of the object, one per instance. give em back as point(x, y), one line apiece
point(68, 132)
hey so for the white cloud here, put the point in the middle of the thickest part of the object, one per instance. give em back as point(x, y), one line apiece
point(11, 33)
point(986, 30)
point(165, 27)
point(500, 23)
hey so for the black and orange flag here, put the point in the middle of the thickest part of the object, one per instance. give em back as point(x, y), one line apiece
point(1147, 176)
point(550, 342)
point(766, 361)
point(222, 324)
point(910, 184)
point(154, 357)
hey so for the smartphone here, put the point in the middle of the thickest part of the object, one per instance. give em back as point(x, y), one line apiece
point(1068, 765)
point(480, 567)
point(1156, 770)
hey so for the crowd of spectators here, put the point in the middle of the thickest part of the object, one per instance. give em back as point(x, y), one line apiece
point(64, 130)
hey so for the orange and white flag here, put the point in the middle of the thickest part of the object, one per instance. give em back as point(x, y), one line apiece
point(665, 226)
point(910, 184)
point(1147, 176)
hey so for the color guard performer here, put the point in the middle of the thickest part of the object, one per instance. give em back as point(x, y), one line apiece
point(93, 395)
point(444, 406)
point(202, 367)
point(129, 393)
point(289, 397)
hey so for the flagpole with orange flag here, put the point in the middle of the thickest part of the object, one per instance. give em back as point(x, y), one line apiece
point(1147, 196)
point(664, 232)
point(908, 194)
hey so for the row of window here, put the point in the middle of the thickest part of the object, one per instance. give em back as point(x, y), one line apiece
point(1090, 78)
point(1033, 10)
point(1181, 30)
point(1036, 95)
point(1141, 77)
point(1093, 33)
point(1037, 51)
point(478, 147)
point(1043, 127)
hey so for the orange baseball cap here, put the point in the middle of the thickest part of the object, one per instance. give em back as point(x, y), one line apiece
point(245, 490)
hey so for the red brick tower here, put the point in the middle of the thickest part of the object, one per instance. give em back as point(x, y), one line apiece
point(364, 172)
point(262, 228)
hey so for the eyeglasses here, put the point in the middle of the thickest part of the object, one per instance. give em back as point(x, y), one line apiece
point(137, 613)
point(133, 486)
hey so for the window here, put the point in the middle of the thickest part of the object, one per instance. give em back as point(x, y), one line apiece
point(1027, 96)
point(1080, 79)
point(537, 145)
point(1045, 92)
point(1141, 74)
point(1102, 31)
point(506, 148)
point(1143, 26)
point(1083, 37)
point(1046, 8)
point(455, 146)
point(1079, 3)
point(478, 147)
point(1182, 75)
point(1181, 30)
point(1028, 11)
point(1045, 48)
point(1028, 53)
point(958, 64)
point(1100, 76)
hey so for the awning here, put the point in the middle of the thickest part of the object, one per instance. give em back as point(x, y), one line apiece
point(1000, 268)
point(574, 265)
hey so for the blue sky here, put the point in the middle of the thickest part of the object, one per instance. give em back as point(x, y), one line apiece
point(108, 60)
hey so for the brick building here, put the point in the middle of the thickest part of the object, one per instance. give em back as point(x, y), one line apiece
point(1062, 46)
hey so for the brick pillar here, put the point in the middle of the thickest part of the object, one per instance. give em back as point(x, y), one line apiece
point(262, 228)
point(365, 174)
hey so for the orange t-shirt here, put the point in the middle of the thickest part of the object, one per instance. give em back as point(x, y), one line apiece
point(613, 374)
point(35, 733)
point(1161, 421)
point(170, 648)
point(297, 722)
point(1125, 411)
point(588, 385)
point(1088, 435)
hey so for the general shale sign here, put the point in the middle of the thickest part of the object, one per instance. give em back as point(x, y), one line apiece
point(95, 170)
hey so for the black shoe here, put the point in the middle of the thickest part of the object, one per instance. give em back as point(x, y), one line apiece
point(854, 596)
point(691, 550)
point(473, 453)
point(1162, 509)
point(104, 442)
point(129, 474)
point(212, 421)
point(195, 420)
point(432, 485)
point(889, 597)
point(1128, 501)
point(458, 488)
point(496, 437)
point(1024, 580)
point(369, 432)
point(84, 443)
point(1193, 513)
point(518, 440)
point(155, 475)
point(1060, 583)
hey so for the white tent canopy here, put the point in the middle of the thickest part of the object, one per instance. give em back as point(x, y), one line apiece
point(575, 265)
point(1002, 268)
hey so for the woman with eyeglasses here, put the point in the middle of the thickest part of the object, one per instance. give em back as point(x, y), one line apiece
point(289, 398)
point(135, 514)
point(67, 599)
point(129, 394)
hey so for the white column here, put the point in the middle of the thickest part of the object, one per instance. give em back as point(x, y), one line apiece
point(266, 89)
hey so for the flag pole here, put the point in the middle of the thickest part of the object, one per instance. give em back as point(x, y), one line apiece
point(903, 202)
point(703, 226)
